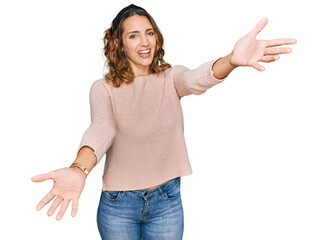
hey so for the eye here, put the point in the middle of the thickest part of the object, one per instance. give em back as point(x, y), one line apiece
point(152, 33)
point(132, 36)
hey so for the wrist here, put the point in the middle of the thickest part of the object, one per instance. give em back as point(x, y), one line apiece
point(80, 168)
point(229, 60)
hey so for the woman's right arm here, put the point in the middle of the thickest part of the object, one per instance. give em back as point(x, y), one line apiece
point(96, 140)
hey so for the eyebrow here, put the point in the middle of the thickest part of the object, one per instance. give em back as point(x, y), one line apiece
point(139, 31)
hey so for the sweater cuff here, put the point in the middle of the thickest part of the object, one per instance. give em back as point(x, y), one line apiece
point(98, 157)
point(211, 71)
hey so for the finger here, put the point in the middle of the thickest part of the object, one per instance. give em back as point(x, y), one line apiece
point(43, 177)
point(257, 66)
point(62, 209)
point(259, 26)
point(45, 200)
point(280, 41)
point(269, 58)
point(275, 51)
point(74, 207)
point(55, 205)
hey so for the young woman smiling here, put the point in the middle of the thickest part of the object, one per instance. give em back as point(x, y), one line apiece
point(137, 121)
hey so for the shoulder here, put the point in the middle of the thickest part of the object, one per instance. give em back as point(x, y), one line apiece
point(164, 73)
point(178, 69)
point(100, 86)
point(101, 82)
point(174, 69)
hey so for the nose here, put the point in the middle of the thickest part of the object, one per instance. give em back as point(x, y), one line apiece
point(144, 41)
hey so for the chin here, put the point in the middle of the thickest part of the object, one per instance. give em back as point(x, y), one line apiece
point(147, 62)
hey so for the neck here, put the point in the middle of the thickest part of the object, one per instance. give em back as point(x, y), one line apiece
point(141, 70)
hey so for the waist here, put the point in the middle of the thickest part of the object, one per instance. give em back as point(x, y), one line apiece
point(155, 186)
point(158, 185)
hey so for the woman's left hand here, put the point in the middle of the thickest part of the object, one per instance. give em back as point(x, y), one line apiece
point(248, 51)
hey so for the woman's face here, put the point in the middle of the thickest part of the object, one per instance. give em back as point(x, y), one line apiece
point(139, 35)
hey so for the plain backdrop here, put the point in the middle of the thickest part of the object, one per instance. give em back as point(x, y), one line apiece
point(257, 142)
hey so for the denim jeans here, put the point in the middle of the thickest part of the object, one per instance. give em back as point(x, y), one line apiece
point(142, 214)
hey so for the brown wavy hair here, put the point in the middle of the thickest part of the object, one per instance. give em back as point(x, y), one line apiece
point(120, 70)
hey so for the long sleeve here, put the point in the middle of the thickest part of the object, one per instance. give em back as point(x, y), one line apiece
point(101, 132)
point(195, 81)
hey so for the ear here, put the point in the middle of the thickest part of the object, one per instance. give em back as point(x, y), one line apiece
point(116, 42)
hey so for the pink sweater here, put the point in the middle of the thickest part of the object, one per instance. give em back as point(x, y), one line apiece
point(140, 126)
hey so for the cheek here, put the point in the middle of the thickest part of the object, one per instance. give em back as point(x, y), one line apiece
point(130, 50)
point(154, 44)
point(154, 41)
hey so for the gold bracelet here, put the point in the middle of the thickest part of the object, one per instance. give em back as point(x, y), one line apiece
point(83, 168)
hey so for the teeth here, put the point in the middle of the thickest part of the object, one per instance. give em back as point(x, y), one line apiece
point(144, 51)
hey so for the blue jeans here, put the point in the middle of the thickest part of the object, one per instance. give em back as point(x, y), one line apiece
point(142, 214)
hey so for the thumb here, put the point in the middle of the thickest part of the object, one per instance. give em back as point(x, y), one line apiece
point(43, 177)
point(259, 26)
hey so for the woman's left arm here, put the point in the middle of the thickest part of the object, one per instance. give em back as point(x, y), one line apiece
point(248, 52)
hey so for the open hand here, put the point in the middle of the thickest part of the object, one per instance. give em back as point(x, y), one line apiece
point(68, 185)
point(248, 51)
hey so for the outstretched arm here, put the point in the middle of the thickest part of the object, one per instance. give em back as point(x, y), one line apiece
point(69, 182)
point(248, 52)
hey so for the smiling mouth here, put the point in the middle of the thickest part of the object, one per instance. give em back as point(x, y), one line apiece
point(144, 54)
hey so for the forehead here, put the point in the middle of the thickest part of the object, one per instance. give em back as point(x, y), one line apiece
point(136, 23)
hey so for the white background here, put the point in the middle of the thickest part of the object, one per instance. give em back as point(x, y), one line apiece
point(257, 142)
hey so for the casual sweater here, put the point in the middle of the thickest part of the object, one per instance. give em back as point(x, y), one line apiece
point(140, 126)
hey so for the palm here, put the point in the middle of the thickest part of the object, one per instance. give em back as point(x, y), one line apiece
point(248, 51)
point(68, 185)
point(71, 186)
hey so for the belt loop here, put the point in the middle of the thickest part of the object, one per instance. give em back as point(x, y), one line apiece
point(161, 190)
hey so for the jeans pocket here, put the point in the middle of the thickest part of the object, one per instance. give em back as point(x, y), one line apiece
point(173, 192)
point(112, 195)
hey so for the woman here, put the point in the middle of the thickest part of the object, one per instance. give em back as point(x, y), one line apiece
point(137, 121)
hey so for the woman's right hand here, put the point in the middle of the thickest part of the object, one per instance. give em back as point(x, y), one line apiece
point(68, 185)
